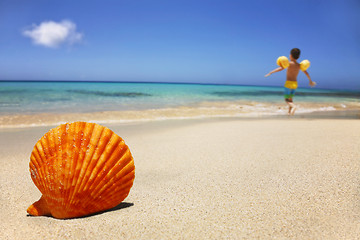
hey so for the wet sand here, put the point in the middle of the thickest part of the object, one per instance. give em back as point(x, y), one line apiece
point(204, 110)
point(287, 178)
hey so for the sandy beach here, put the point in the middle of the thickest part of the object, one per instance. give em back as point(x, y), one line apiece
point(287, 178)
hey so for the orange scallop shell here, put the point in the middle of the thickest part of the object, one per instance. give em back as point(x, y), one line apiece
point(80, 168)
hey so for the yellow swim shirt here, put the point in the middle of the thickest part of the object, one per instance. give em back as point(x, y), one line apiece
point(291, 84)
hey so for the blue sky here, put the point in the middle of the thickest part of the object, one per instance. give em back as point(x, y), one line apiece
point(203, 41)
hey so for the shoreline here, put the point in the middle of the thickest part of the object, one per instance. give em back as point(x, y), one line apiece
point(203, 111)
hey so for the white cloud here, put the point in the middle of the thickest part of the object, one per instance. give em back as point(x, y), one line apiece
point(53, 34)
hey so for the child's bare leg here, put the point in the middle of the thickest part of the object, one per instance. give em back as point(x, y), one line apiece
point(289, 109)
point(293, 109)
point(287, 100)
point(292, 106)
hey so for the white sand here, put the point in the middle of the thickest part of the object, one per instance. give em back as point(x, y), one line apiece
point(209, 179)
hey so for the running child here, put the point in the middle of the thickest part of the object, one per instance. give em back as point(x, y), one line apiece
point(293, 68)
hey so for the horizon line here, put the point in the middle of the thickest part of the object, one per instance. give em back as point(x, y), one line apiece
point(164, 82)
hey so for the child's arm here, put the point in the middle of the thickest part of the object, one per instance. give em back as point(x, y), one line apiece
point(311, 83)
point(274, 71)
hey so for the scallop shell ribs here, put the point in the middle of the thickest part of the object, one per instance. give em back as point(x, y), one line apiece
point(80, 168)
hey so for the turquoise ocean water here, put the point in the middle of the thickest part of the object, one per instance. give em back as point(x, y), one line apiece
point(86, 97)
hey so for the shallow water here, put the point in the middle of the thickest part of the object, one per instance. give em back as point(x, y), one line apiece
point(42, 97)
point(144, 101)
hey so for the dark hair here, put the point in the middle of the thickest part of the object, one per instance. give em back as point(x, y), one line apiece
point(295, 53)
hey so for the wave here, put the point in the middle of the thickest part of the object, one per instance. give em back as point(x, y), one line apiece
point(199, 111)
point(278, 92)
